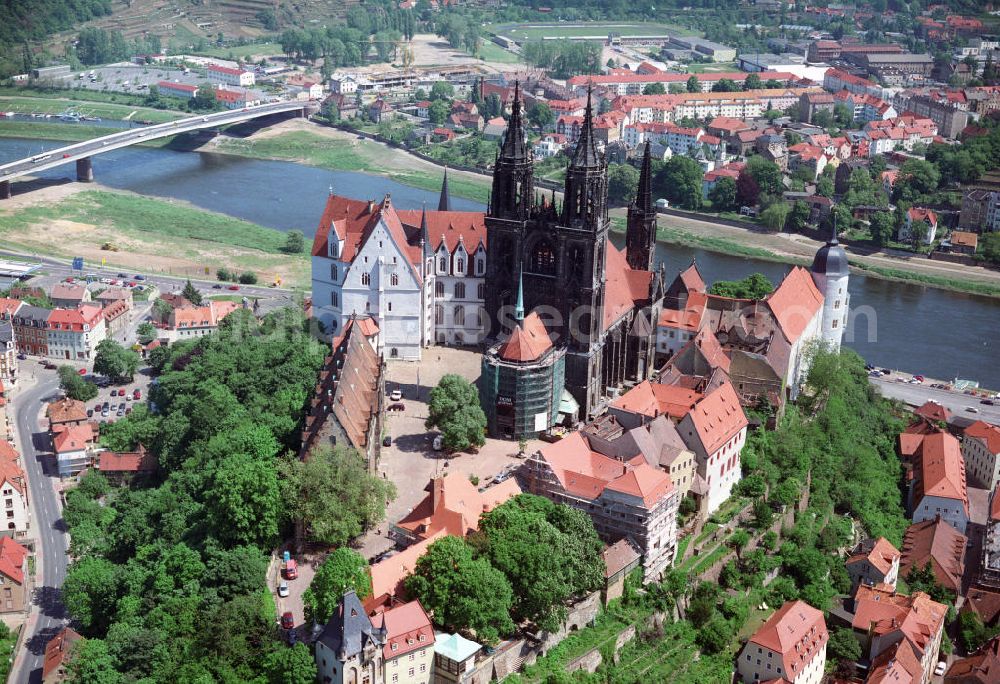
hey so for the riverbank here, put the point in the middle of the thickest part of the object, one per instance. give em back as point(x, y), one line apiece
point(64, 132)
point(104, 110)
point(137, 232)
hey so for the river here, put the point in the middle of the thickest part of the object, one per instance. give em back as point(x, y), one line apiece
point(903, 326)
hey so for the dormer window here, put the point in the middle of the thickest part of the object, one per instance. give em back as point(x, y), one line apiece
point(460, 266)
point(443, 264)
point(395, 646)
point(335, 247)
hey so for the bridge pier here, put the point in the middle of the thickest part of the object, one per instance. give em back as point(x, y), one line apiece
point(84, 170)
point(5, 189)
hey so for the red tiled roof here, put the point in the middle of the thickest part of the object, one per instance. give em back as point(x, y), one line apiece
point(881, 555)
point(898, 664)
point(933, 411)
point(983, 666)
point(57, 650)
point(618, 556)
point(795, 302)
point(73, 438)
point(623, 287)
point(528, 341)
point(718, 417)
point(938, 543)
point(68, 291)
point(10, 471)
point(923, 214)
point(882, 611)
point(665, 77)
point(225, 70)
point(12, 557)
point(388, 575)
point(407, 629)
point(940, 470)
point(797, 631)
point(654, 399)
point(8, 306)
point(986, 433)
point(177, 86)
point(690, 317)
point(66, 411)
point(454, 505)
point(136, 461)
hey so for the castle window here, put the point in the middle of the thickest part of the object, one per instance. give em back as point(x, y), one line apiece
point(394, 280)
point(481, 291)
point(439, 289)
point(334, 274)
point(443, 264)
point(439, 315)
point(835, 322)
point(460, 267)
point(334, 299)
point(480, 266)
point(543, 258)
point(836, 304)
point(459, 315)
point(366, 279)
point(459, 290)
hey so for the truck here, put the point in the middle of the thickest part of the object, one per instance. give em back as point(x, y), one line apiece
point(289, 568)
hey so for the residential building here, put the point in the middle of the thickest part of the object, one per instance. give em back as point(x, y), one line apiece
point(344, 85)
point(116, 319)
point(186, 322)
point(873, 561)
point(31, 330)
point(16, 520)
point(980, 667)
point(57, 655)
point(69, 295)
point(629, 83)
point(9, 307)
point(549, 145)
point(915, 215)
point(14, 580)
point(981, 451)
point(115, 294)
point(235, 99)
point(630, 500)
point(494, 128)
point(408, 648)
point(989, 570)
point(72, 446)
point(454, 659)
point(388, 575)
point(174, 89)
point(811, 104)
point(73, 334)
point(8, 353)
point(836, 80)
point(940, 546)
point(346, 408)
point(229, 76)
point(66, 412)
point(453, 505)
point(938, 487)
point(789, 647)
point(715, 430)
point(909, 627)
point(648, 400)
point(906, 63)
point(131, 465)
point(961, 242)
point(950, 117)
point(349, 650)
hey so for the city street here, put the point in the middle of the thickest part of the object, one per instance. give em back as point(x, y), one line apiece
point(47, 526)
point(956, 402)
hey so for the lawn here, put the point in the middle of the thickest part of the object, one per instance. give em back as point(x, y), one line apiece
point(682, 547)
point(729, 508)
point(104, 110)
point(706, 532)
point(712, 67)
point(491, 52)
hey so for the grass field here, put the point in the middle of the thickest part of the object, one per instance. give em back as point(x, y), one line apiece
point(63, 132)
point(712, 67)
point(598, 29)
point(104, 110)
point(174, 237)
point(492, 52)
point(241, 51)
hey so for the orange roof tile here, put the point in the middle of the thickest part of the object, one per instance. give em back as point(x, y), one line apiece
point(644, 482)
point(986, 433)
point(8, 306)
point(883, 611)
point(623, 286)
point(454, 505)
point(795, 302)
point(528, 342)
point(654, 399)
point(718, 417)
point(66, 411)
point(983, 666)
point(407, 629)
point(73, 438)
point(690, 317)
point(388, 575)
point(933, 411)
point(57, 650)
point(898, 664)
point(881, 554)
point(12, 557)
point(797, 631)
point(939, 470)
point(938, 543)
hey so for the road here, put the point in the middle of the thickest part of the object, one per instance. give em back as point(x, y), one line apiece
point(52, 539)
point(106, 143)
point(956, 402)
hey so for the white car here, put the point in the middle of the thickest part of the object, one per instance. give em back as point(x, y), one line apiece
point(438, 443)
point(395, 395)
point(283, 589)
point(941, 667)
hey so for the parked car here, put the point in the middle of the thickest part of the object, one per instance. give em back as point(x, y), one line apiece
point(234, 288)
point(287, 620)
point(438, 443)
point(283, 589)
point(139, 276)
point(48, 365)
point(90, 413)
point(387, 441)
point(122, 275)
point(396, 395)
point(137, 394)
point(22, 356)
point(105, 413)
point(941, 667)
point(919, 377)
point(217, 287)
point(987, 402)
point(972, 409)
point(82, 371)
point(396, 407)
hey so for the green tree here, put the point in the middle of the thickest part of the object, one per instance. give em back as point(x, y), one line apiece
point(654, 89)
point(90, 592)
point(679, 180)
point(191, 293)
point(243, 498)
point(917, 178)
point(723, 195)
point(74, 385)
point(442, 90)
point(115, 362)
point(752, 82)
point(461, 591)
point(824, 186)
point(725, 85)
point(204, 98)
point(798, 219)
point(766, 173)
point(342, 570)
point(145, 332)
point(438, 111)
point(294, 242)
point(248, 278)
point(623, 179)
point(540, 115)
point(693, 85)
point(91, 663)
point(754, 286)
point(455, 410)
point(762, 514)
point(774, 216)
point(333, 494)
point(843, 647)
point(882, 227)
point(294, 665)
point(989, 245)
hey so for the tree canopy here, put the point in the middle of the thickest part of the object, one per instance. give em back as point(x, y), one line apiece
point(342, 570)
point(754, 286)
point(115, 362)
point(454, 409)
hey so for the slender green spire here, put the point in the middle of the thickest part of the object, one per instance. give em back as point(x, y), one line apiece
point(519, 307)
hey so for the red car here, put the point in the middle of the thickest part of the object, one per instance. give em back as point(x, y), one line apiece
point(82, 371)
point(137, 394)
point(234, 288)
point(287, 620)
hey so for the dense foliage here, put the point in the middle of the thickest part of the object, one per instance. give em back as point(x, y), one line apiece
point(754, 286)
point(23, 22)
point(528, 559)
point(454, 409)
point(344, 569)
point(115, 362)
point(564, 58)
point(168, 580)
point(74, 385)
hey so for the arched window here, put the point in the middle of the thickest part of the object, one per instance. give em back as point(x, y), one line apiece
point(366, 279)
point(394, 353)
point(439, 288)
point(443, 264)
point(481, 291)
point(439, 315)
point(480, 266)
point(334, 272)
point(394, 280)
point(459, 290)
point(459, 315)
point(334, 299)
point(543, 258)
